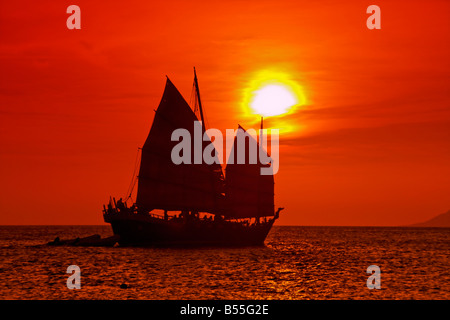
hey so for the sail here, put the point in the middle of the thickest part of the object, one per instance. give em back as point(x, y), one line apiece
point(248, 193)
point(165, 185)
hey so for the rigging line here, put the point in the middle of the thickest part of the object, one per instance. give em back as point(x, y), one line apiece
point(205, 119)
point(197, 107)
point(132, 188)
point(134, 181)
point(134, 177)
point(193, 102)
point(191, 98)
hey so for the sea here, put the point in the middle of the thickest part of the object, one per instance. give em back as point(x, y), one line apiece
point(296, 263)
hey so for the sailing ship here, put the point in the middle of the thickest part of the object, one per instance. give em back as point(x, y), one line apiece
point(192, 204)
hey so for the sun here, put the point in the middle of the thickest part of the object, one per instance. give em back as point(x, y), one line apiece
point(272, 94)
point(273, 100)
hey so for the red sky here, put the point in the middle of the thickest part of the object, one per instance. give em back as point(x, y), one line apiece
point(371, 147)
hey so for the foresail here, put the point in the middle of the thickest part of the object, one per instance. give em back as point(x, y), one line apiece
point(165, 185)
point(248, 193)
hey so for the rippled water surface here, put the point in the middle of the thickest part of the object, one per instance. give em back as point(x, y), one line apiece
point(296, 263)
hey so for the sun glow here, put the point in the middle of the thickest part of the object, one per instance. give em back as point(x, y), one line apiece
point(272, 94)
point(272, 100)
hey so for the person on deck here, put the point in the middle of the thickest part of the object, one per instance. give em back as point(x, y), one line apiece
point(120, 205)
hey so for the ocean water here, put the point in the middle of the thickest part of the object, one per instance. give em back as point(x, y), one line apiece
point(296, 263)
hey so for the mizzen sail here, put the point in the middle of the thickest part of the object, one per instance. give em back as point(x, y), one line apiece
point(248, 193)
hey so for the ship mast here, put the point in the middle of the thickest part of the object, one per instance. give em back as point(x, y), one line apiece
point(199, 100)
point(261, 135)
point(260, 132)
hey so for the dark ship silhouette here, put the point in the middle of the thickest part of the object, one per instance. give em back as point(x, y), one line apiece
point(237, 211)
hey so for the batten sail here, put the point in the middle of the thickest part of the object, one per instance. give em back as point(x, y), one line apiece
point(248, 193)
point(165, 185)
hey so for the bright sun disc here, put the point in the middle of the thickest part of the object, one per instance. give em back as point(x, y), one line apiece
point(272, 93)
point(273, 100)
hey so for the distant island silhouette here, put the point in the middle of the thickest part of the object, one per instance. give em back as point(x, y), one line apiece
point(442, 221)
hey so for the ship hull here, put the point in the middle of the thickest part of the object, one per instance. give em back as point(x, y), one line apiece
point(145, 230)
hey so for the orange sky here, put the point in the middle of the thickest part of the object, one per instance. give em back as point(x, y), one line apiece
point(372, 146)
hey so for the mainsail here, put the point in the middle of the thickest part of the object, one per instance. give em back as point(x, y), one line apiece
point(248, 193)
point(165, 185)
